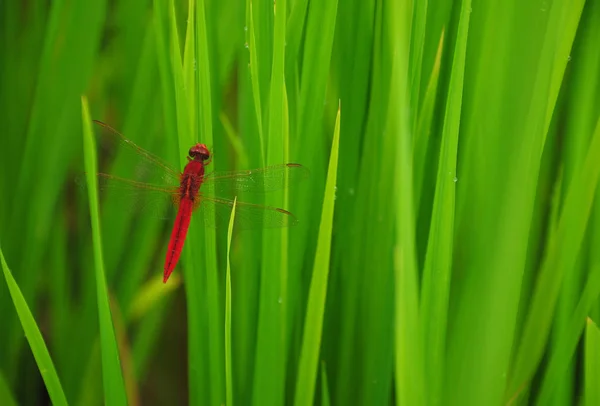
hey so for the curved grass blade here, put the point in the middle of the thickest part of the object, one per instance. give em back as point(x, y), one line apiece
point(592, 364)
point(114, 386)
point(438, 260)
point(271, 357)
point(564, 350)
point(6, 397)
point(228, 363)
point(317, 295)
point(561, 256)
point(409, 380)
point(35, 339)
point(325, 399)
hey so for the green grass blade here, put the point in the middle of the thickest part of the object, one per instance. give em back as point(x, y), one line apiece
point(564, 350)
point(228, 362)
point(295, 27)
point(270, 365)
point(325, 399)
point(6, 397)
point(204, 111)
point(424, 124)
point(317, 295)
point(114, 386)
point(254, 79)
point(190, 67)
point(407, 335)
point(592, 364)
point(181, 87)
point(561, 256)
point(36, 342)
point(438, 260)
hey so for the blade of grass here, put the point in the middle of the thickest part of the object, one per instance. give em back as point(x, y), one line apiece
point(6, 397)
point(409, 383)
point(199, 393)
point(438, 260)
point(228, 363)
point(424, 124)
point(114, 386)
point(204, 111)
point(592, 364)
point(564, 351)
point(35, 339)
point(561, 256)
point(417, 42)
point(317, 295)
point(255, 77)
point(270, 365)
point(325, 399)
point(234, 140)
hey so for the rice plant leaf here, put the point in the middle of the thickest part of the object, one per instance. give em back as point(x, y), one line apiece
point(592, 364)
point(438, 260)
point(114, 386)
point(325, 399)
point(36, 342)
point(204, 111)
point(317, 295)
point(561, 256)
point(564, 350)
point(228, 352)
point(408, 361)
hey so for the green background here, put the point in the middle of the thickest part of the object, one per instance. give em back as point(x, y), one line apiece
point(448, 245)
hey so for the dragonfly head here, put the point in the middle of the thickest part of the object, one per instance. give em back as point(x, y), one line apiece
point(200, 152)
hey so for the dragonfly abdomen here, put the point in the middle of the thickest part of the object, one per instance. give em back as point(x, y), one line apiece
point(180, 229)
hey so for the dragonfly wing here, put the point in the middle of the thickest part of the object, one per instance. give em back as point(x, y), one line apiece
point(260, 180)
point(140, 164)
point(135, 197)
point(216, 212)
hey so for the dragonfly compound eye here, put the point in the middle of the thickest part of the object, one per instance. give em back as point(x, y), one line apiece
point(199, 152)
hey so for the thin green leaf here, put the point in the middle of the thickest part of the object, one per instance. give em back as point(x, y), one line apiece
point(269, 368)
point(6, 397)
point(317, 295)
point(592, 364)
point(325, 400)
point(228, 353)
point(424, 124)
point(36, 342)
point(438, 260)
point(114, 386)
point(561, 256)
point(564, 350)
point(409, 382)
point(213, 285)
point(255, 77)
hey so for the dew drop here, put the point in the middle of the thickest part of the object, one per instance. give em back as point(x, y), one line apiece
point(280, 300)
point(246, 45)
point(455, 179)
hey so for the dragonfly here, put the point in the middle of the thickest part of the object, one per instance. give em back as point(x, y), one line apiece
point(196, 190)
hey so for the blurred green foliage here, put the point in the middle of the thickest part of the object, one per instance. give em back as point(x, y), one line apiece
point(462, 261)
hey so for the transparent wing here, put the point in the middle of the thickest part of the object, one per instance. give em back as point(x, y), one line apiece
point(215, 212)
point(146, 166)
point(260, 180)
point(136, 197)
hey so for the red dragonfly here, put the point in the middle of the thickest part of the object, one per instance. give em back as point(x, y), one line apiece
point(161, 182)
